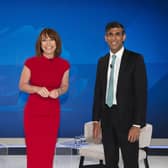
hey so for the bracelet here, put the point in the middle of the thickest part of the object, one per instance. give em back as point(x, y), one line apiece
point(59, 91)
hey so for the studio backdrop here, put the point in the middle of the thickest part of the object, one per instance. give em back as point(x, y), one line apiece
point(80, 25)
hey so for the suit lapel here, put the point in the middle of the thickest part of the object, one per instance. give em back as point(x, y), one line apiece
point(106, 61)
point(123, 64)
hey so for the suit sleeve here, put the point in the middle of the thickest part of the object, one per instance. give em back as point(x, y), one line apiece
point(97, 95)
point(140, 90)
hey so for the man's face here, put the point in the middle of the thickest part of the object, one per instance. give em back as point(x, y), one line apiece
point(115, 38)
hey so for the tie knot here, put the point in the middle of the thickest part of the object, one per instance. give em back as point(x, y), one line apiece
point(113, 59)
point(114, 56)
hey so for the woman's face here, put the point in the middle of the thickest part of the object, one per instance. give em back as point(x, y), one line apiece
point(48, 46)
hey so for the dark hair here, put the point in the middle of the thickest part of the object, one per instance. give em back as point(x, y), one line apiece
point(114, 25)
point(47, 32)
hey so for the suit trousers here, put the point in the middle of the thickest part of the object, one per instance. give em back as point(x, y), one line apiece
point(114, 137)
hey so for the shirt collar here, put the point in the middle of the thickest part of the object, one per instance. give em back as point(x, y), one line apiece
point(118, 53)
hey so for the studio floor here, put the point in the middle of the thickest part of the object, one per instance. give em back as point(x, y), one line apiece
point(68, 161)
point(12, 155)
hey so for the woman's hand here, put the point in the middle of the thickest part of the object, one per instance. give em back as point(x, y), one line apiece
point(43, 92)
point(54, 93)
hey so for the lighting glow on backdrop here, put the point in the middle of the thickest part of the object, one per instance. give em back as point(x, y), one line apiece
point(81, 27)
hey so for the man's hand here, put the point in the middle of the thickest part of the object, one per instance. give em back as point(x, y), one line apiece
point(96, 131)
point(133, 134)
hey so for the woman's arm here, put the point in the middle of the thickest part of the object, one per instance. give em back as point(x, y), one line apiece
point(25, 86)
point(55, 93)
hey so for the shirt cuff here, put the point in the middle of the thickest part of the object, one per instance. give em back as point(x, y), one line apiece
point(96, 121)
point(136, 125)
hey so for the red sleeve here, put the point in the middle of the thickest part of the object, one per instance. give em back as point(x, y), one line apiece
point(67, 66)
point(64, 65)
point(28, 63)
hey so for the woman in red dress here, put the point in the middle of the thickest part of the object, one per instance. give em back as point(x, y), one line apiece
point(45, 77)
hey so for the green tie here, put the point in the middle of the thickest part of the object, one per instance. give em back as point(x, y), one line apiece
point(109, 97)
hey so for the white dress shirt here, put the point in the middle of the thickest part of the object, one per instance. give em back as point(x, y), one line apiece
point(116, 67)
point(116, 72)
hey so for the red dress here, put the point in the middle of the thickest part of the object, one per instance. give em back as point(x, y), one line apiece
point(42, 115)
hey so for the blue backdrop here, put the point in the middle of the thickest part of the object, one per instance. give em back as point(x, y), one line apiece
point(81, 27)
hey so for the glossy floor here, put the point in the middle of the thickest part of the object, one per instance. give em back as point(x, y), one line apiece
point(67, 161)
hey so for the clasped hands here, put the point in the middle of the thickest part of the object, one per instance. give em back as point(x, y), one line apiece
point(44, 92)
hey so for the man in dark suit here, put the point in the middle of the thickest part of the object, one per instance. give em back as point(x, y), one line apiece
point(120, 99)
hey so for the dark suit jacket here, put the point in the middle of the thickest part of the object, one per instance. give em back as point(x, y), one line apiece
point(131, 89)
